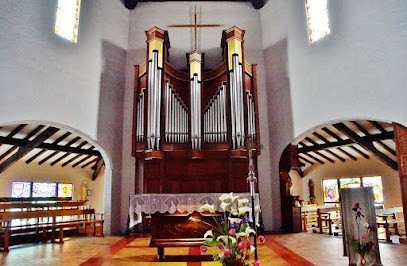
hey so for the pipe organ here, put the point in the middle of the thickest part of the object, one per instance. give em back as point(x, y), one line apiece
point(190, 128)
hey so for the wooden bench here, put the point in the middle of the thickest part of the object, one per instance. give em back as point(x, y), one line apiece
point(78, 219)
point(388, 218)
point(326, 217)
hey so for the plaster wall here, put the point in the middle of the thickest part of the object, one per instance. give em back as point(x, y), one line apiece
point(162, 14)
point(357, 71)
point(45, 77)
point(359, 168)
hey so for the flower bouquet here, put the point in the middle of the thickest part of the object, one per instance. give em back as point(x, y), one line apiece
point(231, 234)
point(362, 243)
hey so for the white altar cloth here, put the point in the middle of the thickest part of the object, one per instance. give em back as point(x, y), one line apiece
point(171, 203)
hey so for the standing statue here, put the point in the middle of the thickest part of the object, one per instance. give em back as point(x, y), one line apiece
point(311, 187)
point(289, 186)
point(84, 195)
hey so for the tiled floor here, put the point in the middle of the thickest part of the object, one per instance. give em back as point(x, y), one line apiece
point(291, 249)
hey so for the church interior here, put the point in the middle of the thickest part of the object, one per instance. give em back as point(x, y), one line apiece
point(119, 119)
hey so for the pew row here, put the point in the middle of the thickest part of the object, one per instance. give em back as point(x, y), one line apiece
point(390, 219)
point(42, 222)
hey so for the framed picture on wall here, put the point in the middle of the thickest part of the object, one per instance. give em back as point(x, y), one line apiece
point(89, 192)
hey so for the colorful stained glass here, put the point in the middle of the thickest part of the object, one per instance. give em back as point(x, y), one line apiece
point(350, 182)
point(331, 191)
point(21, 190)
point(65, 190)
point(376, 183)
point(318, 19)
point(44, 189)
point(67, 19)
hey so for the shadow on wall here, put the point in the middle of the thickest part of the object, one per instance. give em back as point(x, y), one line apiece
point(110, 126)
point(281, 129)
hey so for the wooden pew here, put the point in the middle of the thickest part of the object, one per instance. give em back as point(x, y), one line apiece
point(328, 216)
point(80, 218)
point(388, 218)
point(40, 205)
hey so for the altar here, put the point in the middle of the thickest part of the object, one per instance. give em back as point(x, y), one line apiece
point(175, 218)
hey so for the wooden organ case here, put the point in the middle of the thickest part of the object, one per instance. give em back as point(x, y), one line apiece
point(190, 129)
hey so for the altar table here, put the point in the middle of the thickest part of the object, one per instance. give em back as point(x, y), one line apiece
point(175, 218)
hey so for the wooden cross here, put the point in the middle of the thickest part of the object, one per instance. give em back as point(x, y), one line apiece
point(195, 26)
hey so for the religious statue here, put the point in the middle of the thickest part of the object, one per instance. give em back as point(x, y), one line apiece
point(84, 194)
point(311, 187)
point(289, 186)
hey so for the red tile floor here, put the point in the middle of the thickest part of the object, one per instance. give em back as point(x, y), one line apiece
point(288, 249)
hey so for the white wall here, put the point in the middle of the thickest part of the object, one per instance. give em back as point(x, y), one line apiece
point(44, 77)
point(357, 71)
point(359, 168)
point(147, 15)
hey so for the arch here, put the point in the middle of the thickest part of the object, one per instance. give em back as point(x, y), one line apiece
point(107, 195)
point(289, 159)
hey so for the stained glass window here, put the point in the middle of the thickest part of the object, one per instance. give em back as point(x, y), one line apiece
point(376, 183)
point(21, 190)
point(44, 189)
point(65, 190)
point(317, 19)
point(67, 19)
point(331, 191)
point(350, 182)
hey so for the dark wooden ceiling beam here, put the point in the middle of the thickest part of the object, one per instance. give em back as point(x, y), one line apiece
point(387, 148)
point(98, 167)
point(29, 135)
point(314, 158)
point(368, 145)
point(69, 153)
point(360, 152)
point(77, 156)
point(22, 151)
point(12, 133)
point(305, 159)
point(329, 151)
point(61, 138)
point(56, 152)
point(347, 154)
point(90, 162)
point(317, 152)
point(341, 142)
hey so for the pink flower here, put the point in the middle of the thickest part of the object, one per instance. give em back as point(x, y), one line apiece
point(248, 244)
point(358, 213)
point(370, 244)
point(262, 239)
point(363, 236)
point(357, 205)
point(227, 253)
point(351, 236)
point(241, 245)
point(256, 263)
point(203, 249)
point(221, 246)
point(232, 232)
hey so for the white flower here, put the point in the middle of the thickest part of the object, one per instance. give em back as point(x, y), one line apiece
point(207, 207)
point(234, 212)
point(366, 225)
point(221, 255)
point(225, 239)
point(252, 249)
point(208, 233)
point(243, 210)
point(234, 220)
point(224, 197)
point(223, 205)
point(249, 231)
point(241, 234)
point(257, 208)
point(242, 201)
point(232, 198)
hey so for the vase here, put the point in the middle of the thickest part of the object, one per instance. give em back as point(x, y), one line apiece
point(361, 260)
